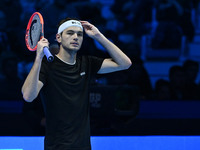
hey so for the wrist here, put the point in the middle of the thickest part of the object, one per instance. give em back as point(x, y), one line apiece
point(99, 37)
point(39, 58)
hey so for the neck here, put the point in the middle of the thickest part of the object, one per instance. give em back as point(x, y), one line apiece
point(67, 56)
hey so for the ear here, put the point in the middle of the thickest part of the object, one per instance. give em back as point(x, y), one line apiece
point(58, 38)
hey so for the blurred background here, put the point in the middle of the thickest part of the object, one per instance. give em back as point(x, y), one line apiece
point(158, 95)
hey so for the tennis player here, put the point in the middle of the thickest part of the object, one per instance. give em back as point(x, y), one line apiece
point(64, 84)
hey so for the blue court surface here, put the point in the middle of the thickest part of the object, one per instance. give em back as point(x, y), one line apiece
point(111, 143)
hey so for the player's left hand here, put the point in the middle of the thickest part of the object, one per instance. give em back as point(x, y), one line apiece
point(90, 29)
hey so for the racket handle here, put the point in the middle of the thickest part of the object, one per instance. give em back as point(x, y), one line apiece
point(48, 54)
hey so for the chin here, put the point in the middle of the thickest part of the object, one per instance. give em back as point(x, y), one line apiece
point(74, 49)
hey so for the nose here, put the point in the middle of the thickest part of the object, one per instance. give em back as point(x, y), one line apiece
point(75, 36)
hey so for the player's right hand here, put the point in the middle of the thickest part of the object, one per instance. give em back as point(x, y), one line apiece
point(41, 44)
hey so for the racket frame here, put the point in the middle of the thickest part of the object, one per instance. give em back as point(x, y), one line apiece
point(28, 30)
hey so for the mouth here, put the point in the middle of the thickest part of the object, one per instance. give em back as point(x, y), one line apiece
point(74, 44)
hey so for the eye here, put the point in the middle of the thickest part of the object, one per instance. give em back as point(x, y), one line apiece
point(70, 33)
point(80, 34)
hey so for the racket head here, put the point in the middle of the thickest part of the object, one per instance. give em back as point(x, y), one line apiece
point(34, 31)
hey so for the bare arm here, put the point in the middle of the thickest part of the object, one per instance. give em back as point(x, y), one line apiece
point(118, 61)
point(32, 85)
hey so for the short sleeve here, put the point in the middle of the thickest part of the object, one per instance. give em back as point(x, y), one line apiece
point(95, 63)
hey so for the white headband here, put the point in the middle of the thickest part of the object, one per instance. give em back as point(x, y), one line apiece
point(68, 24)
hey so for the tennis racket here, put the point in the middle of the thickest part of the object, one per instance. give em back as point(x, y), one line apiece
point(35, 32)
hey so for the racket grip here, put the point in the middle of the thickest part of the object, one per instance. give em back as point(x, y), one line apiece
point(47, 53)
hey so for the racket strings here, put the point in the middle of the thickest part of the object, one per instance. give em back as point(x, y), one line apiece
point(34, 33)
point(32, 28)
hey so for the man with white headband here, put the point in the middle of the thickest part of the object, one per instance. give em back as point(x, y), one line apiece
point(64, 84)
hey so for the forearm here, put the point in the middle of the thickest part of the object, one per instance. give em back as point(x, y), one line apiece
point(116, 54)
point(30, 88)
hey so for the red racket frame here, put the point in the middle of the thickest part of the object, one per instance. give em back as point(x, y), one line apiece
point(28, 29)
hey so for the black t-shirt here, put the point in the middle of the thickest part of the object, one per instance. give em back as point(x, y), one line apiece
point(66, 102)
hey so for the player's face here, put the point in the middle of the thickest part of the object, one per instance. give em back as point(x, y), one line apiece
point(72, 38)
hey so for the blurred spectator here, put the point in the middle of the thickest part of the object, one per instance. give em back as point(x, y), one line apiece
point(11, 84)
point(177, 81)
point(28, 7)
point(172, 12)
point(115, 21)
point(136, 76)
point(162, 90)
point(84, 10)
point(12, 10)
point(168, 10)
point(168, 33)
point(185, 20)
point(139, 77)
point(4, 40)
point(134, 14)
point(187, 26)
point(191, 69)
point(39, 4)
point(167, 36)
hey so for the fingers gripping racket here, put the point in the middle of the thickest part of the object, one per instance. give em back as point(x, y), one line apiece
point(35, 32)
